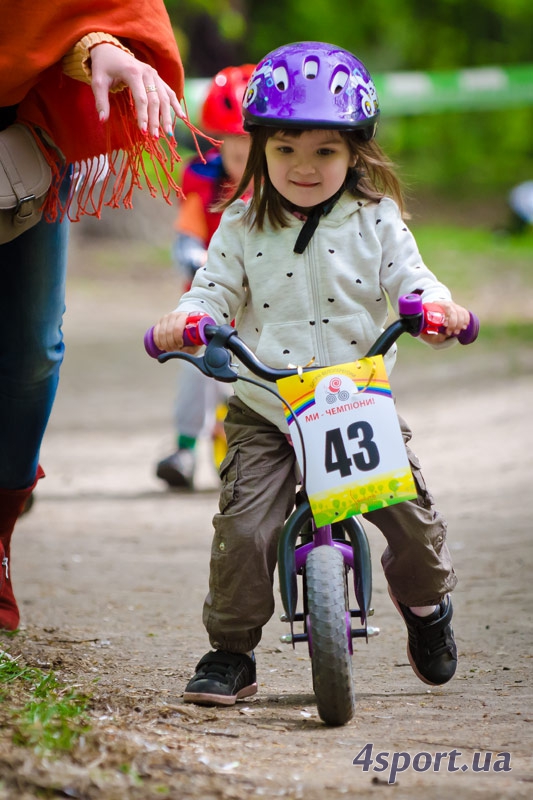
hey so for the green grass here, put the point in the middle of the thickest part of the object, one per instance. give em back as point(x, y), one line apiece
point(508, 332)
point(45, 715)
point(488, 272)
point(477, 261)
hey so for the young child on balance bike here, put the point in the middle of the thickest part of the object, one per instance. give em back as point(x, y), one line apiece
point(305, 268)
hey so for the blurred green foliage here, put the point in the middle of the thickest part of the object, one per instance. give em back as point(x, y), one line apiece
point(462, 154)
point(394, 34)
point(467, 152)
point(468, 258)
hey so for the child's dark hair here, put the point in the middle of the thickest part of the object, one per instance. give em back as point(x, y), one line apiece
point(376, 176)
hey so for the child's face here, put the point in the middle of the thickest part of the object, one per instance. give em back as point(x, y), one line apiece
point(234, 151)
point(308, 169)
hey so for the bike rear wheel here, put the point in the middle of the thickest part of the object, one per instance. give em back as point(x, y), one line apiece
point(327, 604)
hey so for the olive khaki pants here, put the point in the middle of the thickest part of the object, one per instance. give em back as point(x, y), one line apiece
point(258, 486)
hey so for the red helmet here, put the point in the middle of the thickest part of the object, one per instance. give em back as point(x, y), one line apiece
point(222, 108)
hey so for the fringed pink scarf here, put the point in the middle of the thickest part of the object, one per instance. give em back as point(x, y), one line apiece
point(33, 39)
point(108, 159)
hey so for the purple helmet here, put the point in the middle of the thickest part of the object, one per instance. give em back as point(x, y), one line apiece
point(311, 85)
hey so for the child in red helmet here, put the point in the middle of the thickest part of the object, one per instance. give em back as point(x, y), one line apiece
point(206, 182)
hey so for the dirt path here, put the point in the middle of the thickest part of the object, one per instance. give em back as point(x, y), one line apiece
point(111, 571)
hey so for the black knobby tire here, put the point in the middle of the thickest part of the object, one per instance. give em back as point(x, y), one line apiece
point(331, 660)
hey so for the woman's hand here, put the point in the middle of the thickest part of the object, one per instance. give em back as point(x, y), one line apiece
point(154, 99)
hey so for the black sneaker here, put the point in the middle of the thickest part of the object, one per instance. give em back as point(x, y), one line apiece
point(430, 647)
point(221, 679)
point(178, 469)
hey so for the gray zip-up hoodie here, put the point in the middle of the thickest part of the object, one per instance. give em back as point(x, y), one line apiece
point(328, 303)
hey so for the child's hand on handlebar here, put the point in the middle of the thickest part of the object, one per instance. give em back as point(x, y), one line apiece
point(168, 333)
point(456, 319)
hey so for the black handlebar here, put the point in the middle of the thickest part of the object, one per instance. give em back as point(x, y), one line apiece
point(221, 340)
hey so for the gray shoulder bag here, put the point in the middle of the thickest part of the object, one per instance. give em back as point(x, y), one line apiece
point(25, 178)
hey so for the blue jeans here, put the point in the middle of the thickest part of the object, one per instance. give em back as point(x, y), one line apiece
point(32, 303)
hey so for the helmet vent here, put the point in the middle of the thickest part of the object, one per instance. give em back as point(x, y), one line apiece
point(339, 80)
point(281, 78)
point(311, 68)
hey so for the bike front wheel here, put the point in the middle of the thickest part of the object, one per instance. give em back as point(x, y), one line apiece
point(327, 605)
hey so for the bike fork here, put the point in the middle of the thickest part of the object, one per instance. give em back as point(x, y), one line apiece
point(323, 536)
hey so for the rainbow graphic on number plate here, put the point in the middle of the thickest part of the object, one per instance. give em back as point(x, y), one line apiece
point(368, 375)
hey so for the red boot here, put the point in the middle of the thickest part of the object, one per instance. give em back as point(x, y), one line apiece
point(11, 504)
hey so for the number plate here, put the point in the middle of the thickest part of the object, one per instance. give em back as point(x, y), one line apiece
point(355, 456)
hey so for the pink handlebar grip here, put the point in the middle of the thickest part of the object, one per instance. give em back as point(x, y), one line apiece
point(433, 323)
point(193, 334)
point(194, 331)
point(149, 345)
point(433, 318)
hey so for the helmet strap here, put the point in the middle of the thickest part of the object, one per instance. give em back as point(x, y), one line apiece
point(321, 210)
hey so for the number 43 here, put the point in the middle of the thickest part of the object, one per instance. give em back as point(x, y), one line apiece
point(336, 457)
